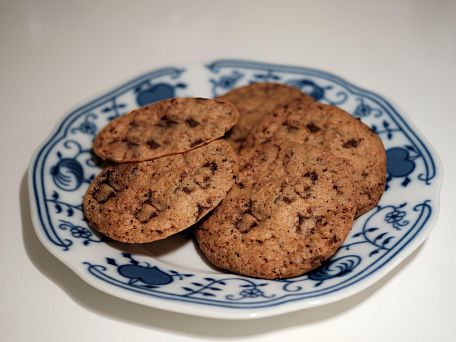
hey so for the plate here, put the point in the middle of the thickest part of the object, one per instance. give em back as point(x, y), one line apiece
point(172, 274)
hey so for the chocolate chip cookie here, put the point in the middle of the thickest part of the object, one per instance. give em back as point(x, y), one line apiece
point(290, 209)
point(163, 128)
point(147, 201)
point(336, 131)
point(253, 102)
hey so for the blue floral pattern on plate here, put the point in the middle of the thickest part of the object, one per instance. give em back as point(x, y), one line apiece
point(64, 165)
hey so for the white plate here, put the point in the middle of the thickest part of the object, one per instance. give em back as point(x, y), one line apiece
point(172, 274)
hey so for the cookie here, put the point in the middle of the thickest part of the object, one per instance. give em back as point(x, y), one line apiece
point(290, 209)
point(163, 128)
point(147, 201)
point(253, 102)
point(337, 131)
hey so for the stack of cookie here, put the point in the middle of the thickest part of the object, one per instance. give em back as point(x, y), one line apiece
point(280, 204)
point(306, 171)
point(170, 170)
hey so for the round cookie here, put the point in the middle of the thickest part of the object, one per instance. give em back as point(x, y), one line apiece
point(163, 128)
point(253, 102)
point(151, 200)
point(291, 208)
point(337, 131)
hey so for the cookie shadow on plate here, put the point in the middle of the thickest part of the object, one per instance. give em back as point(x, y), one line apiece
point(121, 310)
point(153, 249)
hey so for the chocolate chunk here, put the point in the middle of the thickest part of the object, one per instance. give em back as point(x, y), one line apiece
point(166, 122)
point(153, 144)
point(352, 143)
point(146, 212)
point(290, 127)
point(196, 142)
point(199, 210)
point(192, 122)
point(129, 142)
point(312, 175)
point(288, 200)
point(211, 165)
point(246, 223)
point(186, 189)
point(104, 192)
point(312, 127)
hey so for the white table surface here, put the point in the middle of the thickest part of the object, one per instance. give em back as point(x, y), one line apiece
point(56, 54)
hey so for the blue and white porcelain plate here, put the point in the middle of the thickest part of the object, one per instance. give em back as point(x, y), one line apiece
point(172, 274)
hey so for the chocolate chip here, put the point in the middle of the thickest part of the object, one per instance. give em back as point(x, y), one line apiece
point(321, 221)
point(129, 142)
point(196, 142)
point(104, 192)
point(153, 201)
point(301, 219)
point(312, 127)
point(290, 127)
point(166, 122)
point(312, 175)
point(153, 144)
point(146, 212)
point(186, 189)
point(352, 143)
point(199, 210)
point(305, 194)
point(202, 181)
point(192, 122)
point(288, 200)
point(246, 223)
point(133, 124)
point(211, 165)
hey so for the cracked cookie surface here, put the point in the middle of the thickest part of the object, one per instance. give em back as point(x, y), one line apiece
point(336, 131)
point(290, 209)
point(253, 102)
point(147, 201)
point(163, 128)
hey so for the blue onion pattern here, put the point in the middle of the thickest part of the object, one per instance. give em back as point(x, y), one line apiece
point(87, 126)
point(400, 163)
point(225, 82)
point(268, 76)
point(143, 274)
point(335, 268)
point(68, 174)
point(79, 232)
point(156, 92)
point(363, 110)
point(396, 218)
point(310, 87)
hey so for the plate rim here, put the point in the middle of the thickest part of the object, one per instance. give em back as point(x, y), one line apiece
point(198, 309)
